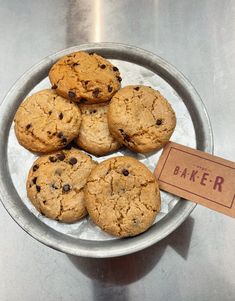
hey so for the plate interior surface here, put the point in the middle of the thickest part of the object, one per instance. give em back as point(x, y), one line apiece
point(75, 238)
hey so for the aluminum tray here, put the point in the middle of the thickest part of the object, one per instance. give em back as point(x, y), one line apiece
point(83, 238)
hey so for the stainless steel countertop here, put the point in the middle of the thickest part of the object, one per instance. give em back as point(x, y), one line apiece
point(196, 262)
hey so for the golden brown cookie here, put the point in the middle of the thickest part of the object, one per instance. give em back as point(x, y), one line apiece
point(55, 184)
point(141, 118)
point(85, 77)
point(45, 122)
point(94, 135)
point(122, 196)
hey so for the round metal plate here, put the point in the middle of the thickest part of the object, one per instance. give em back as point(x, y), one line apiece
point(152, 70)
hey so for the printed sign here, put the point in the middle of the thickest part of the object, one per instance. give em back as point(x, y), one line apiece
point(197, 176)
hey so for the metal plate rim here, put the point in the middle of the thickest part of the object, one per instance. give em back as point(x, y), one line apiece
point(25, 219)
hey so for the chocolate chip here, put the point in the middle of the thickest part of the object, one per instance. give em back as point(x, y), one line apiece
point(66, 188)
point(119, 78)
point(102, 66)
point(60, 157)
point(93, 111)
point(49, 132)
point(158, 121)
point(124, 135)
point(34, 180)
point(115, 69)
point(50, 112)
point(86, 82)
point(35, 167)
point(38, 188)
point(91, 53)
point(137, 88)
point(73, 161)
point(61, 116)
point(110, 89)
point(82, 100)
point(69, 146)
point(52, 159)
point(96, 92)
point(64, 140)
point(44, 202)
point(54, 86)
point(125, 172)
point(60, 135)
point(28, 126)
point(76, 64)
point(71, 94)
point(53, 186)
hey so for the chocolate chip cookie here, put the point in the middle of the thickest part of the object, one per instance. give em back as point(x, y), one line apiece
point(94, 135)
point(85, 77)
point(56, 183)
point(45, 122)
point(122, 196)
point(141, 118)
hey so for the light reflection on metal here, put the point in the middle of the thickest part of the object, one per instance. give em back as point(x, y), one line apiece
point(97, 21)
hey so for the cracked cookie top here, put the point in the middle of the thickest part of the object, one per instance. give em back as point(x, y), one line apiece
point(141, 118)
point(45, 122)
point(94, 135)
point(85, 77)
point(122, 196)
point(56, 183)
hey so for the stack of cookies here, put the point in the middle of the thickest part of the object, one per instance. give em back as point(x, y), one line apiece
point(86, 106)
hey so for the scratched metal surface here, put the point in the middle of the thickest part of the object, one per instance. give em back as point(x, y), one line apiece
point(196, 262)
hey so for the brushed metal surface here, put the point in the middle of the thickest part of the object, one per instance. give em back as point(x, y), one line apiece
point(196, 262)
point(68, 238)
